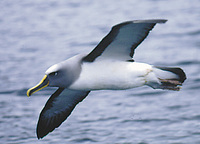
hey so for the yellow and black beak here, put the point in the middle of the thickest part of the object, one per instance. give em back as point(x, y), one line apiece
point(43, 83)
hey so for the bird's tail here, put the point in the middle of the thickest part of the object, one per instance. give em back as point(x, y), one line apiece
point(167, 78)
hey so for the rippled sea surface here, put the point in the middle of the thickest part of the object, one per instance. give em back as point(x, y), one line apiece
point(34, 34)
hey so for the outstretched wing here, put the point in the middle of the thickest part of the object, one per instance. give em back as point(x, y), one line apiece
point(57, 109)
point(122, 40)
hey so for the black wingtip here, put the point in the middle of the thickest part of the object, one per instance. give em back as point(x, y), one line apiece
point(39, 137)
point(41, 133)
point(41, 130)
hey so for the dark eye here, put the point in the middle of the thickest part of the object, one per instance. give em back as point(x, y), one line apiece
point(53, 74)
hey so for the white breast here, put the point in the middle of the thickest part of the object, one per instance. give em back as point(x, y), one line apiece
point(111, 75)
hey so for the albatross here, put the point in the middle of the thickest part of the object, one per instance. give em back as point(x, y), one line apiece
point(109, 66)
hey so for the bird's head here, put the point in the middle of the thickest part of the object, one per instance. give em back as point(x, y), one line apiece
point(55, 76)
point(60, 75)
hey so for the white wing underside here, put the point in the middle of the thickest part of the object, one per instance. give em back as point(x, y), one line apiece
point(122, 40)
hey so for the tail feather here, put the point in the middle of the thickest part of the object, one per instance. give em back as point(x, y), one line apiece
point(178, 71)
point(169, 78)
point(170, 84)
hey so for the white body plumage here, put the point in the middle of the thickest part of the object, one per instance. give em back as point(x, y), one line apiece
point(113, 75)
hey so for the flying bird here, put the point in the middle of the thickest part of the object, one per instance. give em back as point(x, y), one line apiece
point(109, 66)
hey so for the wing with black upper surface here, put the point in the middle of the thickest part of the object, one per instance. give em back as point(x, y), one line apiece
point(57, 109)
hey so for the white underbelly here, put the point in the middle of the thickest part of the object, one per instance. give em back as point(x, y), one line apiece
point(111, 75)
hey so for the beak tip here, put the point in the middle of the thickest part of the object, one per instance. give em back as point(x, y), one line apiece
point(28, 93)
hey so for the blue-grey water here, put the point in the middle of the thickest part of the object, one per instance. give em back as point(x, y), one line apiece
point(34, 34)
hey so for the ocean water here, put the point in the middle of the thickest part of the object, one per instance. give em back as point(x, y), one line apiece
point(35, 34)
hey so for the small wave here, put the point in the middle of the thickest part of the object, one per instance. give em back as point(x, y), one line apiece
point(188, 63)
point(182, 34)
point(174, 107)
point(22, 92)
point(81, 140)
point(195, 133)
point(150, 93)
point(142, 120)
point(7, 92)
point(194, 33)
point(195, 117)
point(99, 119)
point(194, 87)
